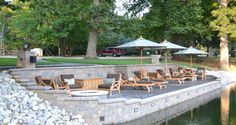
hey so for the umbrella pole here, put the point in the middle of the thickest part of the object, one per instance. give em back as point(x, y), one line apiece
point(166, 60)
point(141, 61)
point(191, 61)
point(141, 56)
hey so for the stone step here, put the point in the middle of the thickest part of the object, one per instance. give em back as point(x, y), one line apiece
point(36, 87)
point(26, 84)
point(16, 73)
point(23, 80)
point(22, 77)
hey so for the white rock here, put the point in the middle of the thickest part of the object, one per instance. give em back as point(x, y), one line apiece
point(35, 108)
point(6, 120)
point(13, 122)
point(37, 122)
point(19, 106)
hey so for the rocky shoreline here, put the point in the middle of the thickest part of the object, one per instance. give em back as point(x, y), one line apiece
point(19, 106)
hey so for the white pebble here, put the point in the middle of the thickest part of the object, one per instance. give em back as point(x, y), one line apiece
point(20, 106)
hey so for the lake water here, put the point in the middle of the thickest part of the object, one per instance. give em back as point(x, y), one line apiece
point(214, 108)
point(220, 111)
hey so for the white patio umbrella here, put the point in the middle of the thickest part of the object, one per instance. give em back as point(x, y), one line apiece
point(170, 46)
point(141, 43)
point(191, 51)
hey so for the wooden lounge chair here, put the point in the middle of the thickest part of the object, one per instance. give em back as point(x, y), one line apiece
point(135, 83)
point(201, 72)
point(77, 82)
point(49, 82)
point(175, 72)
point(160, 82)
point(113, 85)
point(189, 74)
point(178, 78)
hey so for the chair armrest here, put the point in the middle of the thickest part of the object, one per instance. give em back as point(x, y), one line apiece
point(146, 78)
point(46, 78)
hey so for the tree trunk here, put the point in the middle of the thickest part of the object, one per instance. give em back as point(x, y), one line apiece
point(224, 50)
point(224, 53)
point(62, 47)
point(2, 53)
point(92, 41)
point(92, 45)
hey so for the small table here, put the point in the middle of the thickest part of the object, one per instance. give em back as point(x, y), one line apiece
point(90, 84)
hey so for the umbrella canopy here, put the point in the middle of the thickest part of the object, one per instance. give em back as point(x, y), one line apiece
point(170, 45)
point(140, 43)
point(191, 51)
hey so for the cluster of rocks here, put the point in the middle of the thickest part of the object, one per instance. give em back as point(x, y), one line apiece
point(20, 106)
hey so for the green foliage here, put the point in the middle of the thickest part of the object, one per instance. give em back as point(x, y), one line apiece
point(224, 21)
point(175, 20)
point(66, 24)
point(48, 23)
point(184, 18)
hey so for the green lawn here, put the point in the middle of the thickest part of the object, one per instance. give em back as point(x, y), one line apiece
point(7, 61)
point(209, 62)
point(118, 61)
point(187, 64)
point(100, 61)
point(12, 62)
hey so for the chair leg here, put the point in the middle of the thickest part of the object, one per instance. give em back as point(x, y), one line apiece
point(179, 81)
point(160, 85)
point(151, 88)
point(110, 92)
point(164, 86)
point(148, 88)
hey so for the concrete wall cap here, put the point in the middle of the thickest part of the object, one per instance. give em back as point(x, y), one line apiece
point(81, 98)
point(56, 91)
point(131, 101)
point(38, 87)
point(115, 100)
point(63, 68)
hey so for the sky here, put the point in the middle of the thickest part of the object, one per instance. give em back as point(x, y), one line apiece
point(120, 10)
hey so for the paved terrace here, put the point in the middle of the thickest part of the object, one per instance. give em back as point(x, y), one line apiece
point(141, 93)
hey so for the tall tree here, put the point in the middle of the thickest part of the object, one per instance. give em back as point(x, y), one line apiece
point(50, 21)
point(224, 50)
point(93, 35)
point(178, 20)
point(101, 13)
point(224, 22)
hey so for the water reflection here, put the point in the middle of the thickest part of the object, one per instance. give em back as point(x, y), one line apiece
point(215, 108)
point(224, 106)
point(220, 111)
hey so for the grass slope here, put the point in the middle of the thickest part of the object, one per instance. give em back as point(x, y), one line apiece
point(99, 61)
point(7, 61)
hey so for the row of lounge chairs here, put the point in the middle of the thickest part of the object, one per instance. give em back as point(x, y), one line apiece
point(114, 81)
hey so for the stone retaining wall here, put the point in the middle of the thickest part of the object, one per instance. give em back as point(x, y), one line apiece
point(25, 75)
point(108, 111)
point(117, 110)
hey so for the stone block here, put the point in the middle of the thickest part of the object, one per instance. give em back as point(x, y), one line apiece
point(155, 59)
point(23, 59)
